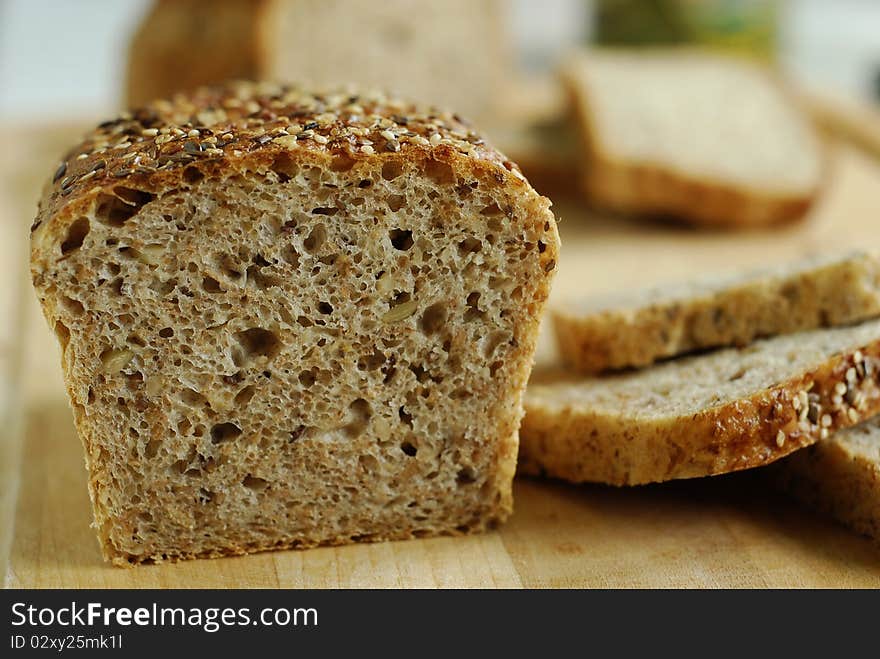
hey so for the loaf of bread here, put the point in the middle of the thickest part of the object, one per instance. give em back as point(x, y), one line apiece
point(452, 53)
point(698, 416)
point(839, 476)
point(291, 318)
point(695, 137)
point(640, 328)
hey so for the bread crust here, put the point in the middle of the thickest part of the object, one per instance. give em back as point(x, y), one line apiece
point(241, 129)
point(834, 477)
point(807, 295)
point(579, 445)
point(659, 190)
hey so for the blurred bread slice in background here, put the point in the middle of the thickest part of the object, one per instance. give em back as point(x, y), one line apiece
point(702, 138)
point(840, 476)
point(453, 53)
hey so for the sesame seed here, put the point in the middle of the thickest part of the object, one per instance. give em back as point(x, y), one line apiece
point(851, 374)
point(796, 403)
point(826, 420)
point(852, 415)
point(780, 438)
point(82, 156)
point(150, 132)
point(320, 139)
point(837, 400)
point(193, 133)
point(840, 388)
point(858, 356)
point(388, 135)
point(435, 139)
point(366, 148)
point(823, 434)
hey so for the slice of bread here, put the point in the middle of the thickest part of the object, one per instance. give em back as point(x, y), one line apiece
point(640, 328)
point(697, 137)
point(839, 476)
point(698, 416)
point(292, 318)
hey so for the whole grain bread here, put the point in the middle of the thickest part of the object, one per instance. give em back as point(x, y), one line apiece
point(702, 138)
point(703, 415)
point(452, 53)
point(839, 476)
point(640, 328)
point(291, 318)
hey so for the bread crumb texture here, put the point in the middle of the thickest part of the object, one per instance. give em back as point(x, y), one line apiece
point(291, 318)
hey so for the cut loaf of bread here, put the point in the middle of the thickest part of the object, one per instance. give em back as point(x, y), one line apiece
point(708, 414)
point(640, 328)
point(839, 476)
point(292, 318)
point(702, 138)
point(452, 53)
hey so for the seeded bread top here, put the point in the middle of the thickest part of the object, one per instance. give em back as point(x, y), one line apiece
point(236, 121)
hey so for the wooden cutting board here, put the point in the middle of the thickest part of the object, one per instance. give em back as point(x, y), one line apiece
point(722, 532)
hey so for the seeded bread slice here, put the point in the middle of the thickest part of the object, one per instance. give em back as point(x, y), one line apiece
point(839, 476)
point(646, 326)
point(698, 416)
point(292, 318)
point(701, 138)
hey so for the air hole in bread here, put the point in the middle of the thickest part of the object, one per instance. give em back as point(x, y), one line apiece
point(360, 412)
point(63, 334)
point(369, 463)
point(408, 448)
point(74, 307)
point(224, 432)
point(192, 398)
point(325, 308)
point(396, 202)
point(192, 174)
point(405, 416)
point(116, 209)
point(316, 238)
point(244, 396)
point(434, 318)
point(491, 210)
point(166, 332)
point(254, 483)
point(401, 239)
point(307, 378)
point(341, 163)
point(136, 340)
point(439, 172)
point(371, 362)
point(285, 167)
point(392, 169)
point(152, 448)
point(470, 245)
point(465, 476)
point(255, 343)
point(76, 234)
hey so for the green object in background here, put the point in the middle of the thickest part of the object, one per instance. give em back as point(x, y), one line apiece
point(741, 26)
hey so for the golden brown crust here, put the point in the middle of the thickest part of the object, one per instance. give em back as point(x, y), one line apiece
point(239, 126)
point(579, 446)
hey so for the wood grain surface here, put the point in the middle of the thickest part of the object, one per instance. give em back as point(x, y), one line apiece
point(729, 531)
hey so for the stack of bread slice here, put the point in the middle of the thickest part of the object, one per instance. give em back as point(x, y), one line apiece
point(719, 376)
